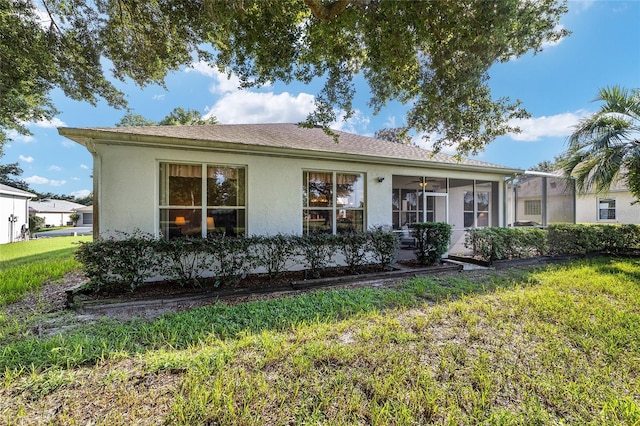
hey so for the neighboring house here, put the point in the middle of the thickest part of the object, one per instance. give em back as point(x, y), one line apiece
point(54, 212)
point(613, 206)
point(14, 212)
point(539, 199)
point(86, 215)
point(264, 179)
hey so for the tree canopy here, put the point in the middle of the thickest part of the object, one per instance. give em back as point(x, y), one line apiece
point(177, 117)
point(433, 56)
point(605, 147)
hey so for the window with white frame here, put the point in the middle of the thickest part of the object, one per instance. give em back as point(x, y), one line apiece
point(332, 202)
point(607, 209)
point(200, 200)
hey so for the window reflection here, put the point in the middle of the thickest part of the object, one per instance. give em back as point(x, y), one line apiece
point(182, 213)
point(333, 202)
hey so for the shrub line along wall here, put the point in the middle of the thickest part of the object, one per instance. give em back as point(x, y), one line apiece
point(130, 260)
point(133, 259)
point(491, 244)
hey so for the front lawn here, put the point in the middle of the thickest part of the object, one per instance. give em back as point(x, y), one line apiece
point(537, 346)
point(26, 265)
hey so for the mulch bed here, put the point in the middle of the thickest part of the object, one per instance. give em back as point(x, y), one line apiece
point(251, 282)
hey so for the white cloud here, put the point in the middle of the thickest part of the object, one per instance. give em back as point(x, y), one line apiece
point(158, 97)
point(67, 143)
point(356, 120)
point(203, 68)
point(251, 107)
point(222, 84)
point(39, 180)
point(36, 180)
point(427, 143)
point(547, 43)
point(13, 135)
point(84, 166)
point(235, 105)
point(535, 128)
point(81, 194)
point(48, 124)
point(54, 168)
point(25, 159)
point(581, 5)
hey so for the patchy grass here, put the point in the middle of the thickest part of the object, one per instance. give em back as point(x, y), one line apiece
point(26, 265)
point(549, 346)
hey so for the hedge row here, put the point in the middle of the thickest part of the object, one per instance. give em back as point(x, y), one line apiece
point(133, 259)
point(506, 243)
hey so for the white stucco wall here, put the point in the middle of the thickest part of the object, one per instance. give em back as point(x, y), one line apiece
point(55, 219)
point(12, 205)
point(587, 208)
point(128, 187)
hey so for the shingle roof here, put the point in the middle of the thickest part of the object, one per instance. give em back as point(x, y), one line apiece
point(280, 135)
point(54, 206)
point(10, 190)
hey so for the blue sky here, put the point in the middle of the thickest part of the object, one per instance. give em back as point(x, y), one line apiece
point(556, 87)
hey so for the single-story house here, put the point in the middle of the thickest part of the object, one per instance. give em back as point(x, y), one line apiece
point(54, 212)
point(14, 212)
point(264, 179)
point(86, 215)
point(613, 206)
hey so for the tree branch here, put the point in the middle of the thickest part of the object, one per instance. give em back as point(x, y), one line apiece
point(326, 12)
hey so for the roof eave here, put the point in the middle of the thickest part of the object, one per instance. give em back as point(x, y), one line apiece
point(86, 136)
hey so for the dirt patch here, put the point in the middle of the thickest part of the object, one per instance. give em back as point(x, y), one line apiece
point(50, 298)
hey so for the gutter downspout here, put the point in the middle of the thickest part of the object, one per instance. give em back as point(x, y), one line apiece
point(91, 147)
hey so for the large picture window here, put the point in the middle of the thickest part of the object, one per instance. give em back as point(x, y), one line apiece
point(332, 202)
point(200, 200)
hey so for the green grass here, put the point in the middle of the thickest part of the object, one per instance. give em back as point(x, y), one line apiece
point(558, 345)
point(26, 265)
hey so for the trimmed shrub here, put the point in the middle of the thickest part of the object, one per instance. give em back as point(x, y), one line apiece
point(432, 241)
point(583, 239)
point(273, 253)
point(317, 251)
point(505, 243)
point(384, 247)
point(184, 260)
point(355, 248)
point(116, 263)
point(573, 239)
point(35, 223)
point(231, 258)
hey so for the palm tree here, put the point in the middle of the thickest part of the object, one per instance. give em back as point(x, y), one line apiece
point(605, 147)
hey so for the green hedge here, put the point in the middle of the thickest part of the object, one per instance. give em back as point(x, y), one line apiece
point(129, 260)
point(506, 243)
point(432, 241)
point(582, 239)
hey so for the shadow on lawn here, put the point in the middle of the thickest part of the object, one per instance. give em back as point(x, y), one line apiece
point(91, 343)
point(53, 255)
point(610, 265)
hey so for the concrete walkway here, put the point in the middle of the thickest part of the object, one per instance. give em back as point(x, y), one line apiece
point(66, 232)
